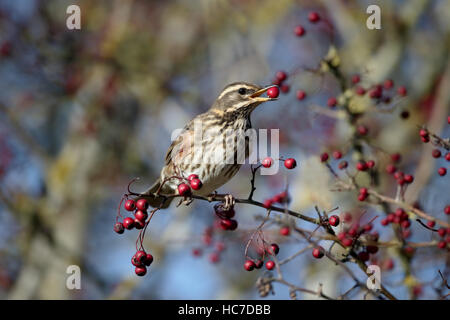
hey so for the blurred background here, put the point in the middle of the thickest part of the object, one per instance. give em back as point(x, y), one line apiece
point(83, 112)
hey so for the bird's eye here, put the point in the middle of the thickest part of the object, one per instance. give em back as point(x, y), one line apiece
point(242, 91)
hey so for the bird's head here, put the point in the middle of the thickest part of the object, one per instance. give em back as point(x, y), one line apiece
point(241, 98)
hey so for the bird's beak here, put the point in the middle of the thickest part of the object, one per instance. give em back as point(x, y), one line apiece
point(256, 96)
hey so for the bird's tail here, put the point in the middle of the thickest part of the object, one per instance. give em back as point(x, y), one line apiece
point(155, 201)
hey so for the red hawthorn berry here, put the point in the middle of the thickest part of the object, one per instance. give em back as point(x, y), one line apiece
point(331, 102)
point(356, 78)
point(318, 252)
point(299, 31)
point(324, 157)
point(334, 220)
point(267, 162)
point(140, 256)
point(184, 189)
point(384, 222)
point(431, 224)
point(196, 252)
point(196, 184)
point(406, 224)
point(442, 244)
point(436, 153)
point(140, 271)
point(368, 227)
point(390, 168)
point(442, 232)
point(398, 175)
point(337, 154)
point(136, 262)
point(388, 84)
point(142, 204)
point(118, 228)
point(273, 92)
point(425, 139)
point(375, 93)
point(360, 91)
point(341, 236)
point(258, 264)
point(285, 88)
point(390, 217)
point(228, 224)
point(363, 256)
point(442, 171)
point(141, 215)
point(270, 265)
point(148, 259)
point(447, 156)
point(370, 164)
point(138, 224)
point(301, 94)
point(274, 249)
point(363, 130)
point(409, 178)
point(347, 242)
point(130, 205)
point(290, 163)
point(128, 223)
point(362, 197)
point(249, 265)
point(402, 91)
point(192, 177)
point(313, 17)
point(399, 212)
point(343, 164)
point(268, 203)
point(361, 166)
point(396, 157)
point(353, 231)
point(447, 209)
point(285, 231)
point(423, 133)
point(214, 257)
point(281, 75)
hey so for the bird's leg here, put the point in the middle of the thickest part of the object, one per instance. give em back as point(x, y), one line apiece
point(229, 202)
point(212, 196)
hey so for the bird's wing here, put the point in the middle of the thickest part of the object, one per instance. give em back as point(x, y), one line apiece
point(181, 148)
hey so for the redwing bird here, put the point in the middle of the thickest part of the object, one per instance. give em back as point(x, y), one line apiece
point(205, 144)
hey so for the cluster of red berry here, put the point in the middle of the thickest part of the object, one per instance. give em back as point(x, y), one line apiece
point(252, 264)
point(141, 259)
point(282, 197)
point(350, 235)
point(436, 153)
point(289, 163)
point(140, 215)
point(225, 216)
point(184, 189)
point(379, 92)
point(282, 76)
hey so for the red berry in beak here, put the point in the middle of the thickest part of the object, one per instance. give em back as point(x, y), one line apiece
point(273, 92)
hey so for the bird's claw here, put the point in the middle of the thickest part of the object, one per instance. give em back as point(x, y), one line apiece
point(229, 202)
